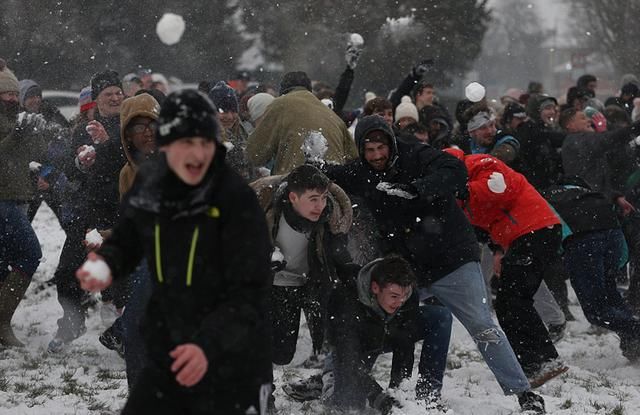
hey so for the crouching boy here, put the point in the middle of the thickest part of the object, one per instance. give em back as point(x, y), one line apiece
point(375, 315)
point(205, 239)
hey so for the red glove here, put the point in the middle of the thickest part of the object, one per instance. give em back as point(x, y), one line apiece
point(599, 122)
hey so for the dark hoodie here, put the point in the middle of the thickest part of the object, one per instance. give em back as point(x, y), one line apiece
point(210, 280)
point(540, 159)
point(430, 231)
point(360, 330)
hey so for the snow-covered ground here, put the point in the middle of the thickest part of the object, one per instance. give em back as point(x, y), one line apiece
point(89, 379)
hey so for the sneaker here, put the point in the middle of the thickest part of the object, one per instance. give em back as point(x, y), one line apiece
point(548, 370)
point(305, 389)
point(556, 332)
point(531, 403)
point(111, 341)
point(62, 339)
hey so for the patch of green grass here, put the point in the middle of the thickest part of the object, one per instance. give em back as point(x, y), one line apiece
point(39, 390)
point(21, 387)
point(597, 405)
point(4, 384)
point(617, 410)
point(97, 405)
point(566, 404)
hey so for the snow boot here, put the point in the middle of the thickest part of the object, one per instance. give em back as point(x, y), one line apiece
point(305, 389)
point(11, 292)
point(548, 370)
point(531, 403)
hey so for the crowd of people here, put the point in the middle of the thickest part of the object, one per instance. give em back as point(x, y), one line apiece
point(210, 219)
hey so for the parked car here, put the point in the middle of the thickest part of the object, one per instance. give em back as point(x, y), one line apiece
point(66, 101)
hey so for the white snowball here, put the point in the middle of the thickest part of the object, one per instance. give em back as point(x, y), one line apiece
point(34, 166)
point(277, 256)
point(86, 150)
point(474, 92)
point(170, 28)
point(98, 270)
point(356, 39)
point(93, 237)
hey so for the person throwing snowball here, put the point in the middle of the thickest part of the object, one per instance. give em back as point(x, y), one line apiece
point(205, 239)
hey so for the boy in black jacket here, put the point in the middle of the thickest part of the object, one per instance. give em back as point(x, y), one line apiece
point(204, 236)
point(375, 315)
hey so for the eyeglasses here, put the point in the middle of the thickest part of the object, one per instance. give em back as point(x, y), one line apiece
point(140, 128)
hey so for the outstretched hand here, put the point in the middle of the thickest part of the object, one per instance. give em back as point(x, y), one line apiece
point(190, 364)
point(86, 274)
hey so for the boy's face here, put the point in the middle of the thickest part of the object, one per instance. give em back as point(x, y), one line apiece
point(190, 158)
point(309, 204)
point(391, 296)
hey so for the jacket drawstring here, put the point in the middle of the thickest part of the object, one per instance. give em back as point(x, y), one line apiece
point(192, 254)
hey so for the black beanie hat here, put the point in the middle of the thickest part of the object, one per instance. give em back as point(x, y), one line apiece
point(292, 80)
point(102, 80)
point(187, 113)
point(224, 97)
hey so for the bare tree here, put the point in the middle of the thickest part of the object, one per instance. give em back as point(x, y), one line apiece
point(610, 27)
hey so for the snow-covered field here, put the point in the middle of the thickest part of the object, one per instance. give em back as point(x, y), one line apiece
point(89, 379)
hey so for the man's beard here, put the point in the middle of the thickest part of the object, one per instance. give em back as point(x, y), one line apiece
point(10, 109)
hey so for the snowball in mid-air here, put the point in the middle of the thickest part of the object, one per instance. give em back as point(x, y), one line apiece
point(34, 166)
point(98, 270)
point(356, 39)
point(93, 237)
point(474, 92)
point(170, 28)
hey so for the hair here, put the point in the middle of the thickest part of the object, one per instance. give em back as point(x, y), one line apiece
point(474, 109)
point(421, 86)
point(616, 117)
point(585, 79)
point(534, 87)
point(566, 116)
point(377, 104)
point(155, 93)
point(306, 177)
point(393, 269)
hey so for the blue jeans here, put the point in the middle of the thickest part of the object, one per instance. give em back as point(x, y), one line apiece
point(19, 246)
point(435, 322)
point(592, 260)
point(135, 352)
point(464, 293)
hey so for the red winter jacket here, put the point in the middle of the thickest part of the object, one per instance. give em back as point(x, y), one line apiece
point(517, 210)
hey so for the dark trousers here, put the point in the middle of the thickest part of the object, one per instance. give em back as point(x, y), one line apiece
point(19, 246)
point(523, 268)
point(286, 304)
point(435, 325)
point(592, 260)
point(135, 351)
point(70, 296)
point(157, 392)
point(631, 229)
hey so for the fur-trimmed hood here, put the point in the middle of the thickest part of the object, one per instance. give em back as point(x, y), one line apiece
point(270, 189)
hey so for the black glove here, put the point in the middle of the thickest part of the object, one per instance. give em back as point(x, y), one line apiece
point(422, 68)
point(30, 123)
point(405, 191)
point(352, 55)
point(278, 265)
point(384, 403)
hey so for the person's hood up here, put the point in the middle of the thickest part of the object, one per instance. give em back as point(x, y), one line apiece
point(534, 105)
point(25, 85)
point(143, 105)
point(365, 296)
point(372, 123)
